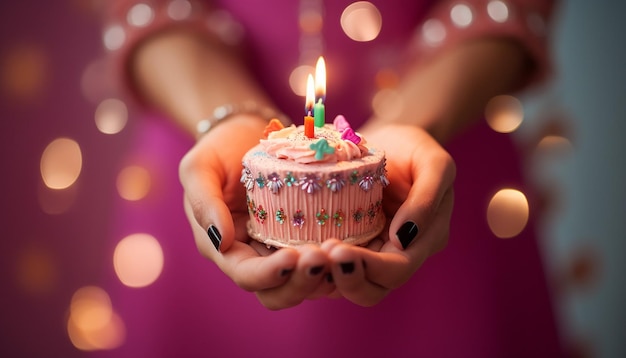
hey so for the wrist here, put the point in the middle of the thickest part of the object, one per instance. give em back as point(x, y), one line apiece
point(226, 112)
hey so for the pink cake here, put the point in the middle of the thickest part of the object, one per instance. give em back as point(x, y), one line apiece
point(306, 190)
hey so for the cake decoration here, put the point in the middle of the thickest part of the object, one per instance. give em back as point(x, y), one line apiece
point(318, 180)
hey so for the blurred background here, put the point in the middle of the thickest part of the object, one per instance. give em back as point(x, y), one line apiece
point(65, 141)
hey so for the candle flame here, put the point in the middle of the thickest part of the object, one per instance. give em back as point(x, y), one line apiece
point(310, 95)
point(320, 79)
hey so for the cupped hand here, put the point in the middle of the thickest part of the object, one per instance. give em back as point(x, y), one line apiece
point(215, 204)
point(418, 204)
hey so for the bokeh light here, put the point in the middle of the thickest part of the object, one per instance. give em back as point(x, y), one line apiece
point(554, 144)
point(133, 183)
point(297, 79)
point(179, 9)
point(96, 82)
point(498, 11)
point(92, 323)
point(24, 72)
point(140, 15)
point(61, 163)
point(507, 213)
point(361, 21)
point(504, 113)
point(37, 272)
point(387, 78)
point(138, 260)
point(111, 116)
point(461, 15)
point(433, 32)
point(114, 37)
point(310, 21)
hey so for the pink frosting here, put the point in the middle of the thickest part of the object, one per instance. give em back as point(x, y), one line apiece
point(291, 143)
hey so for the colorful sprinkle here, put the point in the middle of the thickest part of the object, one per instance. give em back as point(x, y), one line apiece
point(338, 218)
point(290, 180)
point(298, 219)
point(251, 205)
point(367, 181)
point(371, 213)
point(321, 148)
point(280, 216)
point(358, 215)
point(354, 177)
point(321, 216)
point(260, 181)
point(274, 183)
point(246, 179)
point(335, 182)
point(311, 183)
point(261, 214)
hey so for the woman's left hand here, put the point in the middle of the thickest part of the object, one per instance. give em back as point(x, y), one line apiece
point(418, 204)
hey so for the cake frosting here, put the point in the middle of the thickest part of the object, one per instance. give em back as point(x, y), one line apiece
point(306, 190)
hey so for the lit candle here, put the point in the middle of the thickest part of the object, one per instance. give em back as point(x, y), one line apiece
point(319, 112)
point(309, 121)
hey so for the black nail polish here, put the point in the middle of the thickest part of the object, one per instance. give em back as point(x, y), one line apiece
point(407, 232)
point(316, 270)
point(285, 272)
point(215, 236)
point(347, 267)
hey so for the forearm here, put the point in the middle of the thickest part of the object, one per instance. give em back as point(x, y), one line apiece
point(187, 76)
point(450, 91)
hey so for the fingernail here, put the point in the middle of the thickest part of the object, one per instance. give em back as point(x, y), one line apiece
point(407, 232)
point(215, 236)
point(285, 272)
point(316, 270)
point(347, 267)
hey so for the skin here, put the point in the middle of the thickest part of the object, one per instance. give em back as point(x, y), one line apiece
point(186, 76)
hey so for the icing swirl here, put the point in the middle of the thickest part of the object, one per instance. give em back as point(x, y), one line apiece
point(291, 143)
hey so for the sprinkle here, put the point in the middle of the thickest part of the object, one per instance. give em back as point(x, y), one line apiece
point(321, 216)
point(358, 215)
point(280, 216)
point(349, 134)
point(246, 178)
point(335, 182)
point(321, 147)
point(310, 183)
point(371, 213)
point(354, 177)
point(341, 123)
point(298, 219)
point(367, 181)
point(260, 181)
point(290, 180)
point(338, 218)
point(261, 214)
point(274, 125)
point(274, 183)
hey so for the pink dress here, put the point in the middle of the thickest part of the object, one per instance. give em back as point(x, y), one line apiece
point(480, 297)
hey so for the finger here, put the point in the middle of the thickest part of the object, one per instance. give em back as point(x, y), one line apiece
point(431, 182)
point(244, 266)
point(392, 267)
point(349, 274)
point(204, 197)
point(306, 280)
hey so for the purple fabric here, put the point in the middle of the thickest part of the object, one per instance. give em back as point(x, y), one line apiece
point(480, 297)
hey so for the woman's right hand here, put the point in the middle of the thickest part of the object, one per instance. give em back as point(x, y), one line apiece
point(215, 203)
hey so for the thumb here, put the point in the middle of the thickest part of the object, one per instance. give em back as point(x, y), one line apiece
point(204, 203)
point(433, 180)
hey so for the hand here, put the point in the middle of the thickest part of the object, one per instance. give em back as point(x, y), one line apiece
point(215, 198)
point(420, 196)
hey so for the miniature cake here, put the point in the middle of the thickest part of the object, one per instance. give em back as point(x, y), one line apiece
point(303, 189)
